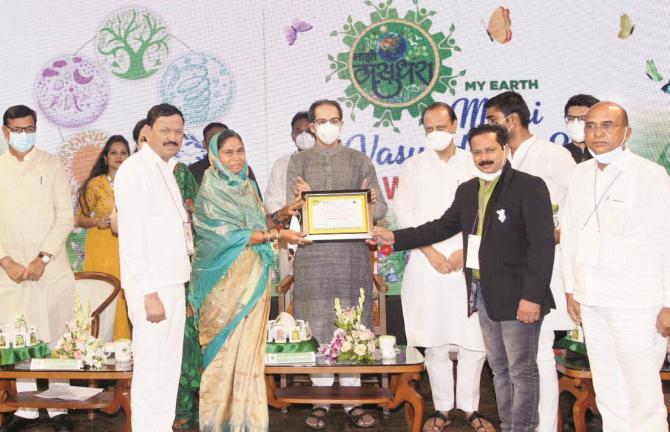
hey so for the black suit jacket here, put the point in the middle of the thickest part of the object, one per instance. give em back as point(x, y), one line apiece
point(516, 254)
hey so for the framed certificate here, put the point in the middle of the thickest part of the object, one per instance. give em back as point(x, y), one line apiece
point(337, 215)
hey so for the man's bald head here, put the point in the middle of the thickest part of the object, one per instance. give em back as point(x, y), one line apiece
point(606, 127)
point(612, 108)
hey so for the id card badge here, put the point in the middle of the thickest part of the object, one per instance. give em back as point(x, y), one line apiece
point(472, 260)
point(588, 246)
point(188, 235)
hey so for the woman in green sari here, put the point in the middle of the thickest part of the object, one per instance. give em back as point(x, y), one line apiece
point(230, 290)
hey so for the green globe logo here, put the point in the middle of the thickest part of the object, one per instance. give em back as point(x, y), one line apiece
point(394, 64)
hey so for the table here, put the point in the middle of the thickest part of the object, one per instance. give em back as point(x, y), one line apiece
point(576, 379)
point(405, 370)
point(107, 401)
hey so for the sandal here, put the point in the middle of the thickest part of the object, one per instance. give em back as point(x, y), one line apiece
point(479, 423)
point(316, 419)
point(358, 419)
point(446, 421)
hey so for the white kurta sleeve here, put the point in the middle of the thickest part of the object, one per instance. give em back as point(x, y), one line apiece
point(405, 196)
point(657, 206)
point(562, 165)
point(132, 202)
point(64, 216)
point(275, 192)
point(568, 240)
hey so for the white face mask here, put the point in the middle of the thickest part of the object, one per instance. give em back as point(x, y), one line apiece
point(304, 141)
point(610, 156)
point(487, 176)
point(438, 140)
point(575, 130)
point(21, 142)
point(328, 133)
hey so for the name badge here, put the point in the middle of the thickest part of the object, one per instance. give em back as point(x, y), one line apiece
point(472, 260)
point(588, 246)
point(188, 235)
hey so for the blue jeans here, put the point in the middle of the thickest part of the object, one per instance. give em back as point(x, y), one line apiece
point(511, 349)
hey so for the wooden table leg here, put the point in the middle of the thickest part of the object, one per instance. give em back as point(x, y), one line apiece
point(582, 390)
point(270, 391)
point(121, 401)
point(403, 389)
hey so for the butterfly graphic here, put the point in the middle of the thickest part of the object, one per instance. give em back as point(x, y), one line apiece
point(500, 26)
point(626, 27)
point(297, 26)
point(652, 71)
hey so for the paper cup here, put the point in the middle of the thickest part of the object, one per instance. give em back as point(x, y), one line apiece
point(387, 346)
point(122, 353)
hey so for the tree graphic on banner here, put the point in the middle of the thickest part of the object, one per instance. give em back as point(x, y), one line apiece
point(134, 42)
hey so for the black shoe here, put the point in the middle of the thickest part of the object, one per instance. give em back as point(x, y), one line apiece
point(62, 423)
point(16, 424)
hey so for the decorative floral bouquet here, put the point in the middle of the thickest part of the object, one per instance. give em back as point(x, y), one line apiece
point(352, 341)
point(78, 343)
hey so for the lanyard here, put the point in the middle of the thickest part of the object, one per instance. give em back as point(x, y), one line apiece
point(176, 206)
point(597, 203)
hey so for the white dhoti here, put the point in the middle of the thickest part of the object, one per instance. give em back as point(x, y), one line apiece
point(327, 380)
point(157, 354)
point(626, 354)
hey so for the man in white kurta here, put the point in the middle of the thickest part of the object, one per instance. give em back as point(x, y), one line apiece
point(615, 247)
point(434, 302)
point(154, 267)
point(275, 192)
point(35, 219)
point(553, 164)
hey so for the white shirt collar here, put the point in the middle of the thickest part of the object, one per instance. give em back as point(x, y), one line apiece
point(519, 155)
point(147, 152)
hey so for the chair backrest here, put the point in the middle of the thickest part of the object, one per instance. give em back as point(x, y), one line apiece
point(102, 291)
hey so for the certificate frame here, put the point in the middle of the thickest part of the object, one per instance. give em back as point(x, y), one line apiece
point(362, 198)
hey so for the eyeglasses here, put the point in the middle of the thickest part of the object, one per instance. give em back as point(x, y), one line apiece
point(27, 129)
point(334, 121)
point(570, 118)
point(607, 127)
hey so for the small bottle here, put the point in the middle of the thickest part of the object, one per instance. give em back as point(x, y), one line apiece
point(33, 337)
point(3, 340)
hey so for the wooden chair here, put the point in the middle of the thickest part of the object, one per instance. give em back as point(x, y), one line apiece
point(101, 290)
point(380, 288)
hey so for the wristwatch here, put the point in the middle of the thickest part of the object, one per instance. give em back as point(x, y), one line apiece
point(44, 257)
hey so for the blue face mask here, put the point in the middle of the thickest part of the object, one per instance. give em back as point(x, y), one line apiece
point(21, 142)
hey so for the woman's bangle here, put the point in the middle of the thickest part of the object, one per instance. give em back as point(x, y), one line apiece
point(277, 234)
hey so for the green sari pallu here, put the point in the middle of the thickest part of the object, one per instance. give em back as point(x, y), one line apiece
point(230, 292)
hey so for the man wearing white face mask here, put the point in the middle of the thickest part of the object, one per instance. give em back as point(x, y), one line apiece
point(575, 112)
point(615, 252)
point(433, 286)
point(36, 217)
point(553, 164)
point(505, 218)
point(326, 270)
point(275, 192)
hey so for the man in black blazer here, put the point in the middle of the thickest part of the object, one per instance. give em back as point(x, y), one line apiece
point(508, 241)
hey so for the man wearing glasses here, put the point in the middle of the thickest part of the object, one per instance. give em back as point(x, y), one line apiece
point(553, 164)
point(35, 219)
point(615, 250)
point(324, 271)
point(575, 112)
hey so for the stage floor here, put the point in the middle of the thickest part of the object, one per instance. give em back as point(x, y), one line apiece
point(294, 420)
